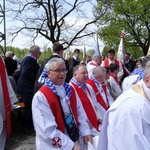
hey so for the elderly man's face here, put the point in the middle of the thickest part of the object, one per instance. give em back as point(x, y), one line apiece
point(58, 74)
point(101, 78)
point(81, 75)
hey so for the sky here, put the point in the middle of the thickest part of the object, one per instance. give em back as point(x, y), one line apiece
point(22, 41)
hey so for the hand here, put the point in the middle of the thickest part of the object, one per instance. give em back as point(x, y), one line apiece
point(76, 147)
point(88, 138)
point(100, 121)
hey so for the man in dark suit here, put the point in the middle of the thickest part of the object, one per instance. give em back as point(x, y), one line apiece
point(74, 61)
point(11, 65)
point(25, 86)
point(57, 52)
point(129, 64)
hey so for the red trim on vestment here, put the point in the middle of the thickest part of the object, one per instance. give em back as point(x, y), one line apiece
point(99, 98)
point(6, 97)
point(55, 107)
point(87, 106)
point(106, 63)
point(105, 91)
point(93, 64)
point(115, 78)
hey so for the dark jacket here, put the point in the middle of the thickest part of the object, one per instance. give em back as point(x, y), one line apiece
point(11, 65)
point(28, 71)
point(73, 63)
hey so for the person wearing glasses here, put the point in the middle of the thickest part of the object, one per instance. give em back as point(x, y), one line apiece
point(57, 53)
point(25, 86)
point(58, 116)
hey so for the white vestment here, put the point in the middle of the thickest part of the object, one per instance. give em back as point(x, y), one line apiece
point(90, 67)
point(13, 99)
point(126, 125)
point(46, 126)
point(110, 99)
point(129, 81)
point(114, 86)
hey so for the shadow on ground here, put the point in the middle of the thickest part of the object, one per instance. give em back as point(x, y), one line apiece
point(19, 140)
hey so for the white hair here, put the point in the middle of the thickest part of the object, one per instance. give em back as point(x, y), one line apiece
point(50, 63)
point(9, 54)
point(98, 71)
point(34, 48)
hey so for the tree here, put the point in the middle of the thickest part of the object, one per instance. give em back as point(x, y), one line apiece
point(131, 16)
point(52, 19)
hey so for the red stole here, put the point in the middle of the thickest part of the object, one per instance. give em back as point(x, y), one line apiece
point(93, 64)
point(87, 106)
point(115, 78)
point(55, 107)
point(6, 97)
point(105, 91)
point(126, 71)
point(106, 62)
point(97, 93)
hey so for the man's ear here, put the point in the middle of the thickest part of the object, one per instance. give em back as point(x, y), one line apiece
point(147, 81)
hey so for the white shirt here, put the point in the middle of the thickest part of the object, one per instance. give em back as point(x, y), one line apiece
point(126, 125)
point(46, 126)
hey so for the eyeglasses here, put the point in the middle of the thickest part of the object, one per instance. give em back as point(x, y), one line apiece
point(60, 71)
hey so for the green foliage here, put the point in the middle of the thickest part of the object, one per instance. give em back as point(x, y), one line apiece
point(20, 53)
point(131, 16)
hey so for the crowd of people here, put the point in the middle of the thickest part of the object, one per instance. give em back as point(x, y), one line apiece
point(73, 104)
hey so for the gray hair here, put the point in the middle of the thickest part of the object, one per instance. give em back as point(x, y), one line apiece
point(147, 69)
point(9, 54)
point(51, 62)
point(34, 48)
point(98, 71)
point(145, 60)
point(77, 67)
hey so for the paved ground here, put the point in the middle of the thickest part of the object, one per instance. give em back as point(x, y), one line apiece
point(19, 140)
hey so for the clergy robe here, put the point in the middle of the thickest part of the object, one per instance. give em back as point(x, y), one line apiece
point(126, 125)
point(13, 99)
point(48, 137)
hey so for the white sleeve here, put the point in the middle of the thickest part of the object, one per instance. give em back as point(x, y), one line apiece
point(45, 124)
point(129, 133)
